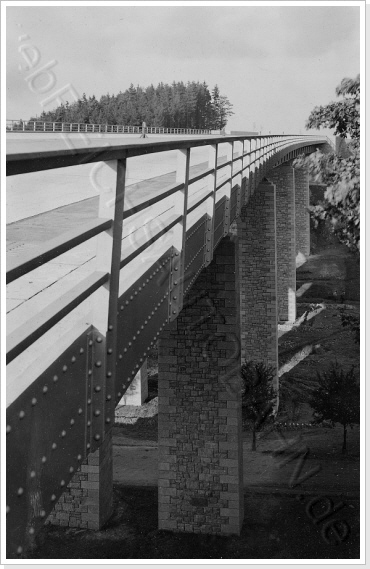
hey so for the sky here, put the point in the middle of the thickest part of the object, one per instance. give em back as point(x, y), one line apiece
point(274, 63)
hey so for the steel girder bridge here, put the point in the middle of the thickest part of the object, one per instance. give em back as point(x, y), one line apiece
point(68, 367)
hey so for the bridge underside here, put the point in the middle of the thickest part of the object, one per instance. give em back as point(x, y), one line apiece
point(231, 307)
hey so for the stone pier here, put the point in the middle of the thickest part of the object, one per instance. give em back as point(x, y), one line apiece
point(302, 216)
point(256, 228)
point(283, 178)
point(199, 395)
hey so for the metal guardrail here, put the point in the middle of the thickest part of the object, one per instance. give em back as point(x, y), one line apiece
point(61, 401)
point(50, 127)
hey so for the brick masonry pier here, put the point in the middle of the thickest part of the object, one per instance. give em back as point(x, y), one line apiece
point(200, 427)
point(283, 178)
point(256, 229)
point(88, 499)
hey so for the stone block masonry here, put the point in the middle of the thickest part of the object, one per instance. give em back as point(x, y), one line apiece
point(302, 216)
point(88, 499)
point(199, 406)
point(258, 277)
point(283, 179)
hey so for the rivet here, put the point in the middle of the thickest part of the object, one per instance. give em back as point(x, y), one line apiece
point(175, 283)
point(110, 327)
point(89, 401)
point(98, 364)
point(109, 374)
point(132, 373)
point(79, 457)
point(19, 550)
point(144, 354)
point(175, 297)
point(149, 317)
point(127, 302)
point(63, 434)
point(20, 491)
point(110, 351)
point(73, 359)
point(55, 378)
point(139, 288)
point(8, 428)
point(153, 311)
point(125, 350)
point(131, 298)
point(173, 311)
point(62, 483)
point(119, 394)
point(107, 420)
point(90, 342)
point(134, 338)
point(97, 388)
point(137, 366)
point(71, 469)
point(80, 411)
point(7, 509)
point(89, 372)
point(97, 437)
point(54, 446)
point(72, 422)
point(88, 423)
point(141, 359)
point(145, 323)
point(45, 389)
point(122, 307)
point(99, 339)
point(32, 474)
point(147, 280)
point(129, 344)
point(109, 397)
point(144, 284)
point(88, 445)
point(135, 292)
point(43, 460)
point(176, 269)
point(97, 413)
point(22, 414)
point(31, 531)
point(53, 498)
point(42, 513)
point(120, 356)
point(81, 350)
point(65, 369)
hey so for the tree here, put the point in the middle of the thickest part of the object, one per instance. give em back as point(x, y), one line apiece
point(341, 203)
point(337, 399)
point(258, 394)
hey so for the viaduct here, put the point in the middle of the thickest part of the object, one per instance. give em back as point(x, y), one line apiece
point(209, 283)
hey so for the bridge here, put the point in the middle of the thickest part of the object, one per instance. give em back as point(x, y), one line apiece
point(205, 268)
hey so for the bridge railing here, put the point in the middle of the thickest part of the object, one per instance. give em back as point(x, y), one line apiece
point(69, 365)
point(40, 126)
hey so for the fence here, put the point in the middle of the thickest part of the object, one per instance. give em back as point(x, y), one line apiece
point(41, 126)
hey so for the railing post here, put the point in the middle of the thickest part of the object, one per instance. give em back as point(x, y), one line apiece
point(229, 157)
point(211, 205)
point(34, 126)
point(104, 319)
point(179, 235)
point(240, 185)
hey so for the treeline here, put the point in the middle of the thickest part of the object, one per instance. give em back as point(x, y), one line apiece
point(170, 106)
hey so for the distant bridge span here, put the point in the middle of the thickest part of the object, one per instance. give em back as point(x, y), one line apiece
point(181, 279)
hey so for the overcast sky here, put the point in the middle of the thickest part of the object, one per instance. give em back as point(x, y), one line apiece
point(274, 63)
